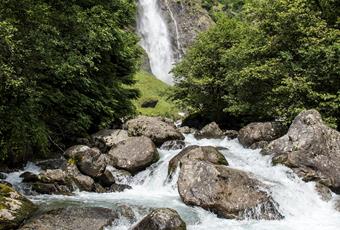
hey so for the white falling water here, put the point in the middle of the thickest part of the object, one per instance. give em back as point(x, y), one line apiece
point(155, 39)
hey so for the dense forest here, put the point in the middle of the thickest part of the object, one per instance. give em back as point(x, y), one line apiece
point(64, 71)
point(270, 60)
point(66, 67)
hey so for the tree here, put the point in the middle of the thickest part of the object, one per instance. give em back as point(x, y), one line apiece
point(64, 68)
point(284, 60)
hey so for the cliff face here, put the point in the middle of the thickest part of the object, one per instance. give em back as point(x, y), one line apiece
point(185, 19)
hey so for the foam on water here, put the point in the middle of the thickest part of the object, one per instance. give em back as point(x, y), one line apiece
point(298, 201)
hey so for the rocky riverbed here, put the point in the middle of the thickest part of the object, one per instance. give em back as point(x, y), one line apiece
point(153, 175)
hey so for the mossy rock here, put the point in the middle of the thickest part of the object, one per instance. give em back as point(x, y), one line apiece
point(14, 207)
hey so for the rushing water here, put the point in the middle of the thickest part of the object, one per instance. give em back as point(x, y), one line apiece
point(299, 202)
point(155, 39)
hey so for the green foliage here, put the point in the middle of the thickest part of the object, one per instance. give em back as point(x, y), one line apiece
point(152, 88)
point(274, 60)
point(63, 70)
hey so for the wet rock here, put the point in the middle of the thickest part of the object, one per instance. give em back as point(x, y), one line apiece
point(2, 176)
point(45, 188)
point(90, 161)
point(259, 145)
point(80, 218)
point(134, 154)
point(113, 175)
point(337, 205)
point(194, 152)
point(311, 149)
point(14, 208)
point(119, 187)
point(161, 219)
point(323, 191)
point(210, 131)
point(54, 176)
point(229, 193)
point(82, 182)
point(173, 145)
point(186, 130)
point(150, 103)
point(154, 128)
point(231, 134)
point(54, 163)
point(99, 188)
point(185, 20)
point(107, 138)
point(126, 212)
point(29, 177)
point(256, 132)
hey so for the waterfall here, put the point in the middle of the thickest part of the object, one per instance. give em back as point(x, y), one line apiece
point(155, 39)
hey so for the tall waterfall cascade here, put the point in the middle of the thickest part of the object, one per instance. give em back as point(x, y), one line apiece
point(155, 39)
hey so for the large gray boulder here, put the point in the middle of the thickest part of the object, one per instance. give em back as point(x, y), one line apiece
point(161, 219)
point(229, 193)
point(210, 131)
point(107, 138)
point(259, 134)
point(80, 218)
point(194, 152)
point(154, 128)
point(134, 154)
point(311, 149)
point(14, 207)
point(90, 161)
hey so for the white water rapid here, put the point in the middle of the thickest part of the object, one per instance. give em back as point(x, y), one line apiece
point(298, 201)
point(155, 39)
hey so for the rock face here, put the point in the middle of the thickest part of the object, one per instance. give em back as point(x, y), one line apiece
point(253, 133)
point(14, 208)
point(72, 218)
point(134, 154)
point(311, 149)
point(185, 20)
point(161, 219)
point(229, 193)
point(194, 152)
point(211, 130)
point(154, 128)
point(105, 139)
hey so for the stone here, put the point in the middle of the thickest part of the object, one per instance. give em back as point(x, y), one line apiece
point(260, 131)
point(231, 134)
point(82, 182)
point(134, 154)
point(194, 152)
point(173, 145)
point(14, 207)
point(311, 149)
point(150, 103)
point(323, 191)
point(53, 163)
point(186, 130)
point(161, 219)
point(119, 187)
point(229, 193)
point(107, 138)
point(154, 128)
point(210, 131)
point(80, 218)
point(29, 177)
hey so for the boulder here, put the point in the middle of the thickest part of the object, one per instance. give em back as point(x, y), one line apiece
point(210, 131)
point(194, 152)
point(161, 219)
point(82, 182)
point(90, 161)
point(134, 154)
point(124, 211)
point(150, 103)
point(113, 175)
point(2, 176)
point(231, 134)
point(54, 163)
point(259, 131)
point(323, 191)
point(186, 130)
point(107, 138)
point(229, 193)
point(119, 187)
point(311, 149)
point(154, 128)
point(29, 177)
point(14, 208)
point(80, 218)
point(173, 145)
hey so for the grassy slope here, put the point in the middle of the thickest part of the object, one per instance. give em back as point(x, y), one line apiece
point(152, 88)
